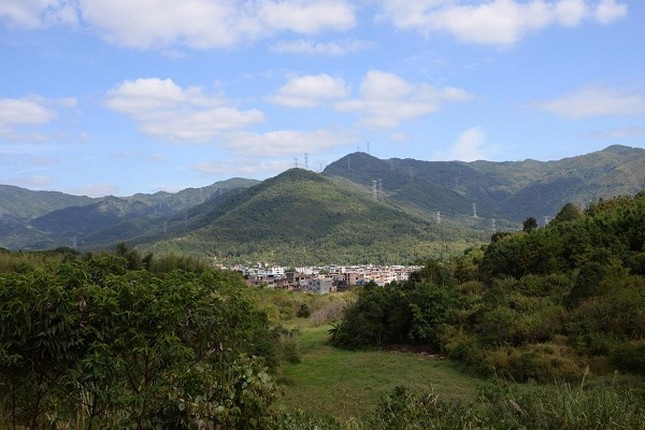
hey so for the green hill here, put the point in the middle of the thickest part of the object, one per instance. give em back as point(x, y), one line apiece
point(50, 219)
point(300, 217)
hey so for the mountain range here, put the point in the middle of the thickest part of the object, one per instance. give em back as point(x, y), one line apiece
point(359, 209)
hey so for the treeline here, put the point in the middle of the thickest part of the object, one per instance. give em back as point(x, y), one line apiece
point(101, 341)
point(542, 304)
point(20, 261)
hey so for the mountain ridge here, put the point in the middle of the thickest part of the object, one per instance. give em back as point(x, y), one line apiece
point(224, 219)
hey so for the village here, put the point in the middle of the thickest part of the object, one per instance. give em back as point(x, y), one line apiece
point(322, 280)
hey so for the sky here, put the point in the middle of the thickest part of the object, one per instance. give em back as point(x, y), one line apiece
point(116, 97)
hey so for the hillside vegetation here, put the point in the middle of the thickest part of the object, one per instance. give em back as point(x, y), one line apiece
point(128, 340)
point(506, 191)
point(311, 224)
point(300, 217)
point(543, 304)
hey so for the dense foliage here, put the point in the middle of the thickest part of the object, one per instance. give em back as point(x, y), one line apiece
point(539, 304)
point(302, 218)
point(90, 343)
point(133, 341)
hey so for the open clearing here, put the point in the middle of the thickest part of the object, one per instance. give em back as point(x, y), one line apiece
point(349, 383)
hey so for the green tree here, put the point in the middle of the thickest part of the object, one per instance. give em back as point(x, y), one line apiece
point(529, 224)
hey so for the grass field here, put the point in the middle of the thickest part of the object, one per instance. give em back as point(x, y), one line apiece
point(349, 383)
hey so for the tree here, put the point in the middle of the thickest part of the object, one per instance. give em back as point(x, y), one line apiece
point(569, 212)
point(529, 224)
point(91, 343)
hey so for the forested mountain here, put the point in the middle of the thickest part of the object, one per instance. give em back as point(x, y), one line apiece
point(361, 208)
point(300, 217)
point(50, 219)
point(22, 204)
point(509, 191)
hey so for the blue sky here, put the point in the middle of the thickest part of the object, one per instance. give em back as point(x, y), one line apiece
point(117, 97)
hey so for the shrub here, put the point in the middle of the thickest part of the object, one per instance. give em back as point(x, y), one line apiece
point(541, 362)
point(630, 357)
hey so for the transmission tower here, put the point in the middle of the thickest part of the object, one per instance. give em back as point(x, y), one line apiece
point(307, 160)
point(438, 217)
point(375, 189)
point(546, 219)
point(368, 147)
point(475, 210)
point(493, 226)
point(296, 162)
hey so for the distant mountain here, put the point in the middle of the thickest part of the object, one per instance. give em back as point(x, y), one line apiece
point(52, 219)
point(166, 203)
point(510, 191)
point(300, 217)
point(361, 209)
point(22, 204)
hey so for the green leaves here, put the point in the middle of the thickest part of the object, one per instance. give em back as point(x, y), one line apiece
point(91, 337)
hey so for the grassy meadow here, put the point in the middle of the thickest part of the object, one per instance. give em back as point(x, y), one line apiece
point(346, 384)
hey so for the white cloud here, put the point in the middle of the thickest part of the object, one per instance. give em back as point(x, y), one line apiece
point(210, 24)
point(197, 24)
point(468, 147)
point(307, 16)
point(204, 24)
point(162, 108)
point(495, 22)
point(387, 100)
point(35, 14)
point(309, 91)
point(595, 102)
point(285, 142)
point(14, 112)
point(609, 11)
point(334, 49)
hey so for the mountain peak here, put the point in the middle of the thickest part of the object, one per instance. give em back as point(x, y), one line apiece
point(621, 149)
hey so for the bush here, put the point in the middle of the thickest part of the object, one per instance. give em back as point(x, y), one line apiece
point(92, 341)
point(630, 357)
point(541, 362)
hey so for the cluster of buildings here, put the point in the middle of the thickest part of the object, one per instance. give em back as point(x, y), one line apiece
point(323, 280)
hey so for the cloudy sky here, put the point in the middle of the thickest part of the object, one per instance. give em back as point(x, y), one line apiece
point(122, 96)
